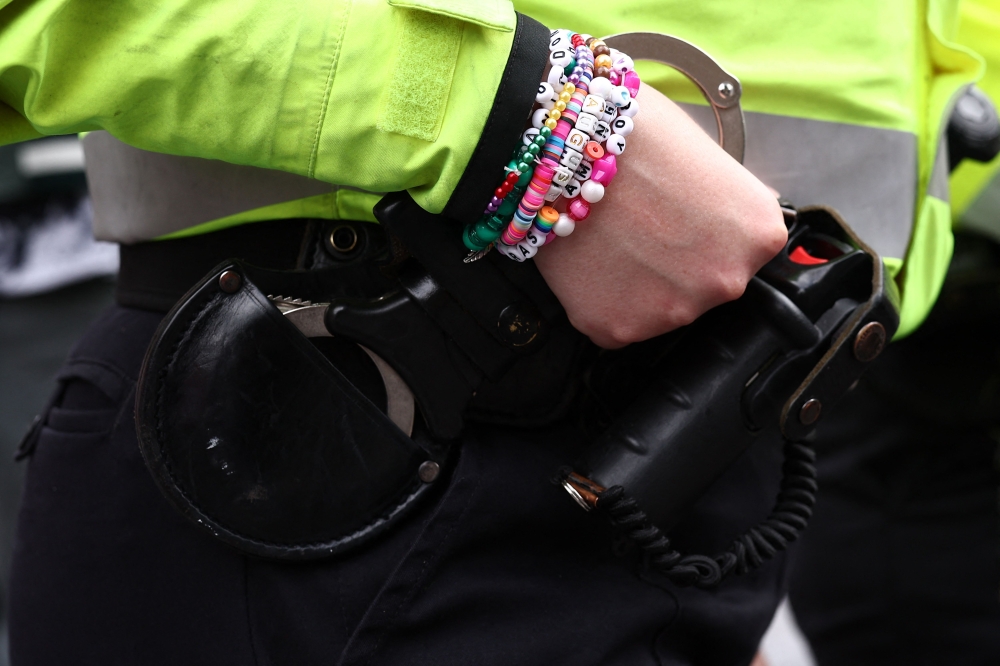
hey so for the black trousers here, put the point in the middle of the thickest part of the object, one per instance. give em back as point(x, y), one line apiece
point(901, 564)
point(499, 567)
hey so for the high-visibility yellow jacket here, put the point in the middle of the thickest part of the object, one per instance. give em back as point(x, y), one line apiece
point(846, 98)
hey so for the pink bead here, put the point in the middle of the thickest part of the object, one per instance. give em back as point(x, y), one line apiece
point(545, 171)
point(615, 78)
point(539, 185)
point(604, 169)
point(578, 209)
point(563, 128)
point(550, 238)
point(513, 236)
point(632, 83)
point(533, 200)
point(549, 164)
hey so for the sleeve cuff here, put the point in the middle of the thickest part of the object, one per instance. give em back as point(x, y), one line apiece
point(505, 123)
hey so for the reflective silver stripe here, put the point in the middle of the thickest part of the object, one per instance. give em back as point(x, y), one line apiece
point(869, 175)
point(938, 186)
point(139, 195)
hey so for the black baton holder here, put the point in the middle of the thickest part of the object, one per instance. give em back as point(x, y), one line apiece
point(773, 362)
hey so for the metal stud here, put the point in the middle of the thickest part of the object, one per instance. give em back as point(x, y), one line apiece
point(810, 411)
point(869, 342)
point(230, 281)
point(726, 90)
point(428, 471)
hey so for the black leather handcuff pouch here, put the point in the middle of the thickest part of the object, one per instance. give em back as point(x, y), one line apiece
point(249, 430)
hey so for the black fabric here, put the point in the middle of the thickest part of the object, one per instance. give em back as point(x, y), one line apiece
point(498, 566)
point(529, 55)
point(900, 564)
point(155, 274)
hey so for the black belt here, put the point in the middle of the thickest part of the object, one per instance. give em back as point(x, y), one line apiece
point(156, 274)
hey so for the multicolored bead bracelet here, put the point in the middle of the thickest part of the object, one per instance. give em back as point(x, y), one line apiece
point(562, 153)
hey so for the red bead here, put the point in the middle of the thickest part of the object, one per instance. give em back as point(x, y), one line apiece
point(577, 41)
point(506, 188)
point(499, 192)
point(512, 177)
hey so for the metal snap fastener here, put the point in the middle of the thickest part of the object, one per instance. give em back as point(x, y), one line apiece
point(428, 471)
point(869, 342)
point(519, 324)
point(810, 411)
point(230, 282)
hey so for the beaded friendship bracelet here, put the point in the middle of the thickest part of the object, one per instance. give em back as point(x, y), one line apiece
point(569, 151)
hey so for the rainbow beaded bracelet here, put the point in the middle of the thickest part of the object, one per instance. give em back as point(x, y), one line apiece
point(562, 153)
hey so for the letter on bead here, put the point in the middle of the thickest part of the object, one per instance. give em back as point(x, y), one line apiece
point(571, 159)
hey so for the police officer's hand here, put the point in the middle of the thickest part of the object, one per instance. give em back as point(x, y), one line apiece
point(682, 228)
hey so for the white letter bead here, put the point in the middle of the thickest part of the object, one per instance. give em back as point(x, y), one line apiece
point(586, 123)
point(535, 238)
point(577, 139)
point(610, 113)
point(622, 126)
point(555, 191)
point(572, 188)
point(615, 144)
point(571, 159)
point(510, 251)
point(560, 58)
point(630, 109)
point(559, 41)
point(526, 249)
point(602, 131)
point(562, 176)
point(622, 64)
point(564, 226)
point(545, 93)
point(529, 135)
point(601, 87)
point(583, 171)
point(615, 53)
point(557, 78)
point(538, 118)
point(592, 192)
point(593, 104)
point(620, 96)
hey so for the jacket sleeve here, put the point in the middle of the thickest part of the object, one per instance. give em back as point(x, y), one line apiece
point(382, 95)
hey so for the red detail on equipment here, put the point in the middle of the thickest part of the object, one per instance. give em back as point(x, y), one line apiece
point(800, 256)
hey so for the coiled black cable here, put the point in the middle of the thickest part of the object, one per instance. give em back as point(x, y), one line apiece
point(790, 515)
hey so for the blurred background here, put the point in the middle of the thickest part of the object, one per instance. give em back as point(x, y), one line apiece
point(54, 279)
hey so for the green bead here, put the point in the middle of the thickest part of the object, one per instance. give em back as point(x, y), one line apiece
point(470, 239)
point(525, 177)
point(486, 235)
point(534, 149)
point(496, 221)
point(508, 206)
point(569, 68)
point(540, 140)
point(545, 131)
point(513, 163)
point(522, 167)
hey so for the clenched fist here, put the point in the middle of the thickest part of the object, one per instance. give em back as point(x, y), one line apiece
point(682, 228)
